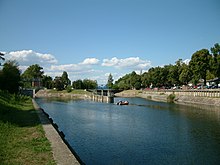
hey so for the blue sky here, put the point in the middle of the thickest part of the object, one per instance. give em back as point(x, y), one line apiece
point(92, 38)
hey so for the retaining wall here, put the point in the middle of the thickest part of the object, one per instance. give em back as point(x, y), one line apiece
point(100, 98)
point(198, 93)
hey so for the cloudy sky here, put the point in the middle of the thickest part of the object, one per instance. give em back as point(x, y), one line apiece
point(92, 38)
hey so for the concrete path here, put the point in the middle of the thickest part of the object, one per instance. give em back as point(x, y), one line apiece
point(61, 153)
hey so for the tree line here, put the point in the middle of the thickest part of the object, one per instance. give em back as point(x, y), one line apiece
point(204, 65)
point(12, 80)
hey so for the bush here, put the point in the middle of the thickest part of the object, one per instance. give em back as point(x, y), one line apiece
point(69, 89)
point(170, 98)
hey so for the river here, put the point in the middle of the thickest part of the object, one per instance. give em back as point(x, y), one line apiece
point(144, 132)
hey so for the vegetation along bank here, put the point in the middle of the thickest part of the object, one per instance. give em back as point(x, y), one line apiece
point(22, 139)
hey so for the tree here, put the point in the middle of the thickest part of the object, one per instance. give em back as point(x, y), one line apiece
point(129, 81)
point(215, 62)
point(135, 80)
point(110, 81)
point(185, 75)
point(199, 65)
point(47, 81)
point(89, 84)
point(58, 83)
point(78, 84)
point(33, 72)
point(10, 77)
point(66, 81)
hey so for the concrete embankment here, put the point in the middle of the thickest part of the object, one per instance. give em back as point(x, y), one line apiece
point(47, 93)
point(191, 97)
point(62, 153)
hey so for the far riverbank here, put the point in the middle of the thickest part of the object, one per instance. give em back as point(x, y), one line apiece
point(194, 98)
point(179, 98)
point(81, 94)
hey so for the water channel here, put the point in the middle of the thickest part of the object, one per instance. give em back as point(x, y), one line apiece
point(144, 132)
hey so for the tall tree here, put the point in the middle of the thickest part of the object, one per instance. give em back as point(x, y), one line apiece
point(47, 81)
point(10, 77)
point(199, 64)
point(78, 84)
point(110, 81)
point(90, 84)
point(66, 81)
point(58, 83)
point(33, 72)
point(185, 75)
point(215, 63)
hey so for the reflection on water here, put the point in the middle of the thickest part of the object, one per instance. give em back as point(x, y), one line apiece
point(144, 132)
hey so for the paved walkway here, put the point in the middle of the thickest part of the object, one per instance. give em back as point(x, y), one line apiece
point(61, 153)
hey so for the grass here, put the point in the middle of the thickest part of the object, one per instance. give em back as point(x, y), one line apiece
point(22, 139)
point(74, 91)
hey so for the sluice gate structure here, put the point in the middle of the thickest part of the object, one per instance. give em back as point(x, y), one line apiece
point(103, 95)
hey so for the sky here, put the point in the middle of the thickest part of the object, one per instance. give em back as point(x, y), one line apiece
point(93, 38)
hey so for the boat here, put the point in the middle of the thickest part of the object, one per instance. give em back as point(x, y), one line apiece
point(122, 103)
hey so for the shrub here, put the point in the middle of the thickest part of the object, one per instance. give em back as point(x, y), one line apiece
point(69, 89)
point(170, 98)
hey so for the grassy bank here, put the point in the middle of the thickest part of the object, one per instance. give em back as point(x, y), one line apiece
point(22, 139)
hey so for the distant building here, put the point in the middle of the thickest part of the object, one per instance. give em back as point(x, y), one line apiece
point(36, 82)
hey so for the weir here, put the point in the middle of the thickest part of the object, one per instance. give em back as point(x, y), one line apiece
point(103, 95)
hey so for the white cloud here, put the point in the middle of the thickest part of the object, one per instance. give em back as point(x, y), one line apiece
point(186, 61)
point(129, 63)
point(82, 66)
point(88, 68)
point(29, 57)
point(90, 61)
point(66, 67)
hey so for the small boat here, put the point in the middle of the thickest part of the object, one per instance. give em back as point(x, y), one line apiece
point(122, 103)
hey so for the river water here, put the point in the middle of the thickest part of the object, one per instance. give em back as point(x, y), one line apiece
point(144, 132)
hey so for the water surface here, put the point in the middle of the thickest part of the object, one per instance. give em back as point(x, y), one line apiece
point(144, 132)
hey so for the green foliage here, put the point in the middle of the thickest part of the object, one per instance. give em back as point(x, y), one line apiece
point(199, 64)
point(65, 80)
point(110, 81)
point(185, 75)
point(10, 77)
point(171, 98)
point(58, 83)
point(129, 81)
point(47, 82)
point(202, 66)
point(33, 72)
point(78, 84)
point(215, 62)
point(22, 139)
point(69, 88)
point(84, 84)
point(89, 84)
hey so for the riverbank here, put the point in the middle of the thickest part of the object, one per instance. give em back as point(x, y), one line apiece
point(81, 94)
point(22, 138)
point(61, 152)
point(163, 97)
